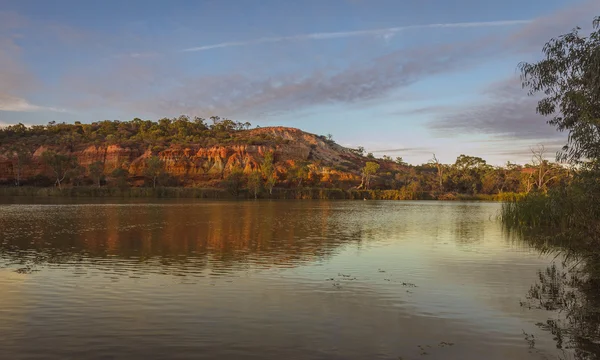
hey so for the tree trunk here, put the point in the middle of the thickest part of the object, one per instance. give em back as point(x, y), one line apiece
point(18, 179)
point(362, 183)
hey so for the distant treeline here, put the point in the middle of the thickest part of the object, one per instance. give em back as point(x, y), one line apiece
point(468, 176)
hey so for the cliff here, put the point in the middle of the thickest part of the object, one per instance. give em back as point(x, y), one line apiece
point(202, 164)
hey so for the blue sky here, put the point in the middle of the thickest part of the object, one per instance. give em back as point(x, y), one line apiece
point(399, 77)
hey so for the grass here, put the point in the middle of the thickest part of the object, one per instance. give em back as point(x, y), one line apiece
point(105, 192)
point(217, 193)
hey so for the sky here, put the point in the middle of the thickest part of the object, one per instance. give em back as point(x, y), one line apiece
point(405, 78)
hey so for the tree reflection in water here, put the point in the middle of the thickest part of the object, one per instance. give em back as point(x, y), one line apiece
point(570, 288)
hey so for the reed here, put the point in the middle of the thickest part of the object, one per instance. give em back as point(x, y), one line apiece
point(306, 193)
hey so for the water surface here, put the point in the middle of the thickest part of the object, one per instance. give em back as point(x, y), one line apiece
point(264, 280)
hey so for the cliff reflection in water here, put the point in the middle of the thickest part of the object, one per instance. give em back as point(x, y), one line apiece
point(220, 236)
point(263, 280)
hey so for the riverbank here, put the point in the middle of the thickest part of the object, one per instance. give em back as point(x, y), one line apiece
point(216, 193)
point(564, 223)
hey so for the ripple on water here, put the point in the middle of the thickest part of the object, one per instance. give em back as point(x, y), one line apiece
point(302, 280)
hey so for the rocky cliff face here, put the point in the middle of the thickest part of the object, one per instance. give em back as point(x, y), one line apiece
point(196, 164)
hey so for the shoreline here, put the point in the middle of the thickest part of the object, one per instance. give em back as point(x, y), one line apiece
point(216, 193)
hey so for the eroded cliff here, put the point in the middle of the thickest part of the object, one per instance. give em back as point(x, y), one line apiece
point(195, 164)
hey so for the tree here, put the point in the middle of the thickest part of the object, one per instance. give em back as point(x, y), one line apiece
point(299, 172)
point(155, 168)
point(267, 170)
point(21, 157)
point(60, 164)
point(255, 182)
point(96, 171)
point(368, 171)
point(492, 181)
point(266, 167)
point(512, 177)
point(545, 172)
point(270, 182)
point(234, 180)
point(527, 181)
point(76, 175)
point(465, 162)
point(466, 175)
point(330, 137)
point(400, 161)
point(440, 171)
point(120, 175)
point(569, 78)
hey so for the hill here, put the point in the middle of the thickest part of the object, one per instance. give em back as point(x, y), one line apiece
point(191, 153)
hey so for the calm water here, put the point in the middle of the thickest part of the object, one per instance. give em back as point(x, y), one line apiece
point(265, 280)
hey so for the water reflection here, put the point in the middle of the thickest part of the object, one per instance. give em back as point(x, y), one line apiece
point(569, 289)
point(309, 279)
point(226, 235)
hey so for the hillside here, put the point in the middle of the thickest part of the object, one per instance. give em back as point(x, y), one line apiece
point(229, 155)
point(192, 153)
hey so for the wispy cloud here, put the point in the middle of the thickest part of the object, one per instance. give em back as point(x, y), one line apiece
point(17, 81)
point(158, 86)
point(506, 113)
point(385, 32)
point(150, 86)
point(9, 103)
point(417, 150)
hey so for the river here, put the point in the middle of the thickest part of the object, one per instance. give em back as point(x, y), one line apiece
point(265, 280)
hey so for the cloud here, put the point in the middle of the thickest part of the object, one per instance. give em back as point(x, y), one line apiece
point(520, 150)
point(386, 33)
point(433, 109)
point(161, 85)
point(13, 74)
point(152, 85)
point(8, 103)
point(16, 80)
point(532, 35)
point(507, 112)
point(246, 94)
point(413, 150)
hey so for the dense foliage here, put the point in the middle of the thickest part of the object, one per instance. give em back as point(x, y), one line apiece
point(566, 219)
point(136, 133)
point(569, 78)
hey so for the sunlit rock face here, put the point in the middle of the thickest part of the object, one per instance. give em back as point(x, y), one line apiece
point(194, 164)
